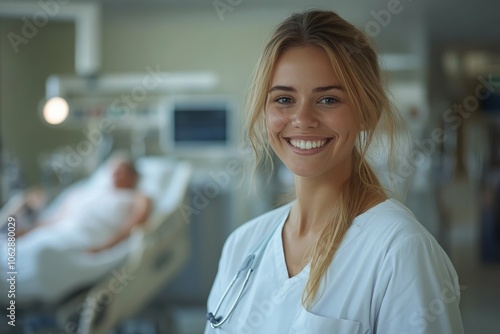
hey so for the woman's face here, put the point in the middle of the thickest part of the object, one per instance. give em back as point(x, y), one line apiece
point(309, 121)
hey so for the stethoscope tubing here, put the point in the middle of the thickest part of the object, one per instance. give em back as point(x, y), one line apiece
point(250, 263)
point(214, 323)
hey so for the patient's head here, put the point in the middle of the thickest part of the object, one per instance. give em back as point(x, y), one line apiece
point(125, 175)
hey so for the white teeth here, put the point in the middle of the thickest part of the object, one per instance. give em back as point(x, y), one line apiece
point(306, 144)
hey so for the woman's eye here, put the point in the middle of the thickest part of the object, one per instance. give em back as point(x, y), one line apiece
point(328, 100)
point(283, 100)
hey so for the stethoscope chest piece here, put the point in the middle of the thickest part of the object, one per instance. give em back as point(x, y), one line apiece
point(248, 266)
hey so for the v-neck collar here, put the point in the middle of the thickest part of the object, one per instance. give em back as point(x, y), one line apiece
point(279, 255)
point(281, 270)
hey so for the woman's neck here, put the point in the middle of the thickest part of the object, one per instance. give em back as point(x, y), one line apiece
point(316, 197)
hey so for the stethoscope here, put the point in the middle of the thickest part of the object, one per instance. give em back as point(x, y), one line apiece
point(248, 266)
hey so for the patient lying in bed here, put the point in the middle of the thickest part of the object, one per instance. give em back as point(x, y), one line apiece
point(82, 240)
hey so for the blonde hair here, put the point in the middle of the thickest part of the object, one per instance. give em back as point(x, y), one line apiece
point(356, 65)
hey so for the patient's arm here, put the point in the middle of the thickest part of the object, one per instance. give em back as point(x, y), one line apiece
point(36, 200)
point(139, 215)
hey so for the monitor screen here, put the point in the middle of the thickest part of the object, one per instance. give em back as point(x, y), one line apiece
point(200, 124)
point(196, 123)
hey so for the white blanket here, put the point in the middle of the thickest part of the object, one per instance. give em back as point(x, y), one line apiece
point(52, 261)
point(49, 269)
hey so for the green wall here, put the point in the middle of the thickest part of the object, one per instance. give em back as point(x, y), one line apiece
point(176, 40)
point(22, 86)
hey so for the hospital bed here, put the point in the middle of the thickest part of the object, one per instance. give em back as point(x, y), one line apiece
point(156, 253)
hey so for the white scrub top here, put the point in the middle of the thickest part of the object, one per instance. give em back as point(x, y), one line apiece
point(389, 276)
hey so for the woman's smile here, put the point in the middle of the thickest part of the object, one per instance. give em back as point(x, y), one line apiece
point(306, 145)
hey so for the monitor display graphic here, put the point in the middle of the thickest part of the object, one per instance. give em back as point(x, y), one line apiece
point(200, 125)
point(196, 123)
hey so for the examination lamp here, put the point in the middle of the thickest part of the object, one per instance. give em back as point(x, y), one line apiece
point(55, 110)
point(61, 89)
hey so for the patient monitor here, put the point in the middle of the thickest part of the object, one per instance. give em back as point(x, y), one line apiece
point(197, 123)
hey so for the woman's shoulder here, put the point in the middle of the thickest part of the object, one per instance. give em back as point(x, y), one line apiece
point(391, 223)
point(390, 237)
point(248, 236)
point(390, 215)
point(259, 227)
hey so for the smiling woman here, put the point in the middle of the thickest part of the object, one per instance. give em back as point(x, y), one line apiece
point(343, 257)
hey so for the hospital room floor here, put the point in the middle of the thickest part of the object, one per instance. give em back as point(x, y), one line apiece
point(480, 302)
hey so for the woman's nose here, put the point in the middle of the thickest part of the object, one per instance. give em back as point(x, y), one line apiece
point(304, 117)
